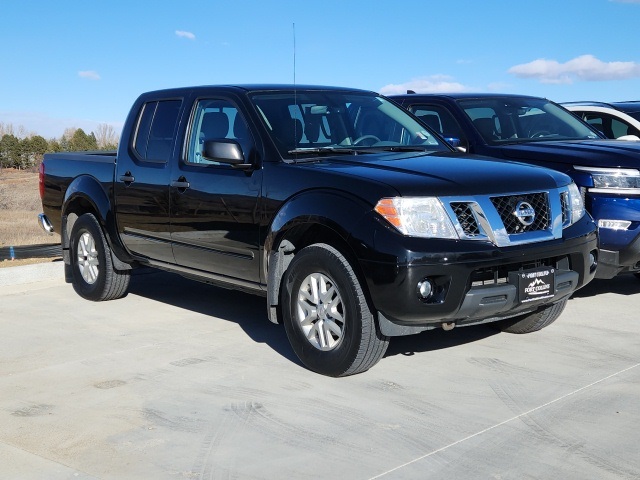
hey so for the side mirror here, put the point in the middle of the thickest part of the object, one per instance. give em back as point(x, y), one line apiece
point(456, 143)
point(224, 151)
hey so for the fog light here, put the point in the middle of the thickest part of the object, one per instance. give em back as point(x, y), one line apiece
point(614, 224)
point(593, 260)
point(425, 288)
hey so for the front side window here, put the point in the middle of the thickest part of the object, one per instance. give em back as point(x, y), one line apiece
point(216, 119)
point(156, 130)
point(512, 119)
point(311, 122)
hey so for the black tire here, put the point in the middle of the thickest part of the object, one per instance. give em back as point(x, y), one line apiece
point(534, 321)
point(344, 338)
point(92, 272)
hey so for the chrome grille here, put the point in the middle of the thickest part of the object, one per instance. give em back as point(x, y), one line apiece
point(506, 207)
point(467, 220)
point(564, 202)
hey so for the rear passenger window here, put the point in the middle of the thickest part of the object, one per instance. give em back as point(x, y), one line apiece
point(156, 130)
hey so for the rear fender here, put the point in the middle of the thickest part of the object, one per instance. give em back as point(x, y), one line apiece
point(86, 195)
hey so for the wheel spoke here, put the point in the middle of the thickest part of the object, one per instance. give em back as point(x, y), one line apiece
point(332, 327)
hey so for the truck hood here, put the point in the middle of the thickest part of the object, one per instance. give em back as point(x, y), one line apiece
point(444, 174)
point(589, 153)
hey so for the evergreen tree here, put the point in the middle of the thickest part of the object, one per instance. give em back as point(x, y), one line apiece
point(81, 142)
point(34, 148)
point(10, 151)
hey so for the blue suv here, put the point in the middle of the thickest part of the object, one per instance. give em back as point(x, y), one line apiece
point(538, 131)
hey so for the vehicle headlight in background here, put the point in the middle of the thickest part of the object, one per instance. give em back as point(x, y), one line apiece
point(613, 180)
point(417, 216)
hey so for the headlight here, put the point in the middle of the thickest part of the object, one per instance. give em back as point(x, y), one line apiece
point(417, 216)
point(576, 205)
point(613, 180)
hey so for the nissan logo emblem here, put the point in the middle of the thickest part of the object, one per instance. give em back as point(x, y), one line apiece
point(525, 213)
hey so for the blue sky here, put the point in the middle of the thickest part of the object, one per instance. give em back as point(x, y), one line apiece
point(81, 63)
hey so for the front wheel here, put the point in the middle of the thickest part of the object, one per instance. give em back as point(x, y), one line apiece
point(532, 322)
point(92, 272)
point(326, 316)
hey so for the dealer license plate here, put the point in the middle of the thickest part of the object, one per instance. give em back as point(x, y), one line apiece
point(535, 284)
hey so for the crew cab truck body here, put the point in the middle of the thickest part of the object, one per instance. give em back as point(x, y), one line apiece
point(338, 206)
point(535, 130)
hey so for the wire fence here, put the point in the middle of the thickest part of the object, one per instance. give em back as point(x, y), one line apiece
point(30, 251)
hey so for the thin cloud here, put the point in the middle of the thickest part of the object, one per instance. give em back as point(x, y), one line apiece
point(89, 74)
point(584, 68)
point(183, 34)
point(432, 84)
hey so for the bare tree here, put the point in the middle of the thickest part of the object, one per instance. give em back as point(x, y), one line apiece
point(6, 129)
point(20, 131)
point(106, 136)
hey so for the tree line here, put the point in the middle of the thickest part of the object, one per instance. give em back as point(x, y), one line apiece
point(23, 151)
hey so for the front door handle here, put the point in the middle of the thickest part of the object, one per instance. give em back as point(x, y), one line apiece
point(181, 184)
point(127, 178)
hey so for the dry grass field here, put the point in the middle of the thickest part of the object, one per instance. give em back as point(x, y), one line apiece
point(19, 208)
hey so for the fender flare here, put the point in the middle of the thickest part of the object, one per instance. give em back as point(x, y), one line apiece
point(84, 190)
point(334, 212)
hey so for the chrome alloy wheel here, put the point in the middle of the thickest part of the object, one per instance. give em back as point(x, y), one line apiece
point(320, 312)
point(88, 258)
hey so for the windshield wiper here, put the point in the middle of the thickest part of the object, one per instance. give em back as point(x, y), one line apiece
point(358, 150)
point(398, 148)
point(324, 150)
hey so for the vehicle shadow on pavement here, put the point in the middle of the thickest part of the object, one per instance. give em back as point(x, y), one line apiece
point(625, 284)
point(438, 339)
point(247, 310)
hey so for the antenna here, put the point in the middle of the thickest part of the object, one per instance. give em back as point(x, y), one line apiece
point(295, 90)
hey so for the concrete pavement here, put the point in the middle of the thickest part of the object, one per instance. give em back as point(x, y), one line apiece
point(184, 380)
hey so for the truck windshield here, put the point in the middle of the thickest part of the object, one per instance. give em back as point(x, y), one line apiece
point(502, 120)
point(309, 123)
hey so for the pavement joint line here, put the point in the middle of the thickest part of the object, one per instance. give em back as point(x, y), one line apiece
point(528, 412)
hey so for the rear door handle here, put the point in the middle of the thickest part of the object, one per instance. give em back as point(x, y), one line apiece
point(180, 184)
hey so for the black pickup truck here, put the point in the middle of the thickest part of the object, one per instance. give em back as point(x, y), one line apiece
point(338, 206)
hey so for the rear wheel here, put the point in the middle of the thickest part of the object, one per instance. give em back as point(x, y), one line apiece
point(326, 316)
point(92, 273)
point(532, 322)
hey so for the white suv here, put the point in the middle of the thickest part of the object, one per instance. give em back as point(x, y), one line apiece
point(619, 120)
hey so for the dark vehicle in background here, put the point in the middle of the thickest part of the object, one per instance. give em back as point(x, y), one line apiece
point(620, 120)
point(338, 206)
point(537, 131)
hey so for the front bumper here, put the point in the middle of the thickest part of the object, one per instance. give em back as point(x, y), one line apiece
point(619, 249)
point(472, 281)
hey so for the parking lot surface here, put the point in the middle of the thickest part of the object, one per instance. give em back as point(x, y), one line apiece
point(184, 380)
